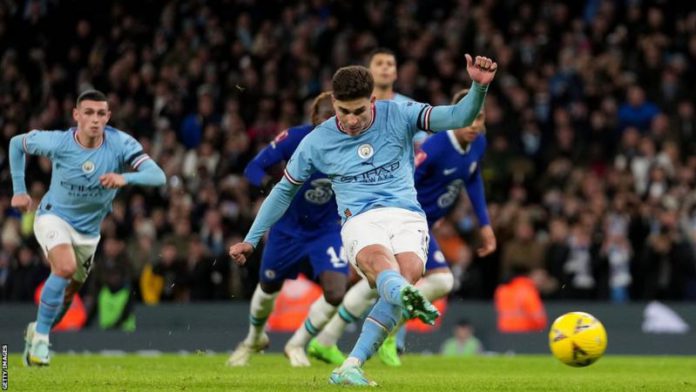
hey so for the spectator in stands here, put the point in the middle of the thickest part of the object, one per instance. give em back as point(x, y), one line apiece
point(463, 343)
point(518, 304)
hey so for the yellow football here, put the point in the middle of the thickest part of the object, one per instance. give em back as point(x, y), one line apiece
point(577, 339)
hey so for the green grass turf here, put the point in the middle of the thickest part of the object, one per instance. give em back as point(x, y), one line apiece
point(419, 373)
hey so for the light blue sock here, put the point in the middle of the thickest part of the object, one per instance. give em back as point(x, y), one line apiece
point(381, 320)
point(401, 339)
point(51, 302)
point(389, 284)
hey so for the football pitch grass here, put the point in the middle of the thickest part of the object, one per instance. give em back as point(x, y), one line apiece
point(271, 372)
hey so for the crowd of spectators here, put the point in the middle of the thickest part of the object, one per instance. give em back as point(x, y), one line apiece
point(591, 124)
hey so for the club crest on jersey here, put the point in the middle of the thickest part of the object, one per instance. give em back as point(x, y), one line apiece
point(472, 167)
point(365, 151)
point(88, 167)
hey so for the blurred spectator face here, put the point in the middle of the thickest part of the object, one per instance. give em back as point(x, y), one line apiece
point(91, 117)
point(463, 332)
point(169, 254)
point(636, 96)
point(112, 247)
point(558, 230)
point(25, 256)
point(383, 69)
point(524, 231)
point(205, 105)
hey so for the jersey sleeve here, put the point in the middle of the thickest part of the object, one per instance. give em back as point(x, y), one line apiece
point(133, 154)
point(301, 164)
point(44, 143)
point(415, 114)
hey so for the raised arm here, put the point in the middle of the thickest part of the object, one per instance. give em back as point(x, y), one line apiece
point(441, 118)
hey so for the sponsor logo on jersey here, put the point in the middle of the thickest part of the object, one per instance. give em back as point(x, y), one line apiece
point(88, 167)
point(377, 174)
point(365, 151)
point(447, 172)
point(321, 191)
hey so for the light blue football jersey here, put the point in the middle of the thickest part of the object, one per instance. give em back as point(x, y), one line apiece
point(400, 98)
point(75, 193)
point(371, 170)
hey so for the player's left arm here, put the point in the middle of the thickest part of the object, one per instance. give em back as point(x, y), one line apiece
point(440, 118)
point(147, 173)
point(477, 197)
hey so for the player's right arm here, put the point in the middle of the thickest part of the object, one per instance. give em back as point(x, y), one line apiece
point(42, 143)
point(462, 114)
point(298, 170)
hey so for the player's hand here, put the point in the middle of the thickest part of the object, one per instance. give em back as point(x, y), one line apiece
point(239, 252)
point(488, 242)
point(21, 202)
point(481, 69)
point(112, 180)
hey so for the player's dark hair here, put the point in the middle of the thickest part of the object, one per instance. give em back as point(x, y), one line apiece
point(91, 95)
point(380, 50)
point(352, 82)
point(459, 95)
point(463, 323)
point(323, 98)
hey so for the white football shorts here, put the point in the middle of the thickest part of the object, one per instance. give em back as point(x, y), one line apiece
point(51, 230)
point(397, 229)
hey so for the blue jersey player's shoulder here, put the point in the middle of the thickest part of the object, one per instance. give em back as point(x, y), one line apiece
point(287, 141)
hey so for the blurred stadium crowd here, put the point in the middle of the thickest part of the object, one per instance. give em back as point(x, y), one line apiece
point(590, 172)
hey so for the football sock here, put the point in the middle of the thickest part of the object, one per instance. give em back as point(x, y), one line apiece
point(436, 286)
point(382, 319)
point(389, 285)
point(355, 303)
point(50, 303)
point(261, 307)
point(319, 314)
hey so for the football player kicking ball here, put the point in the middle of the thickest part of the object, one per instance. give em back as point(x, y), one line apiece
point(88, 162)
point(367, 152)
point(309, 231)
point(446, 162)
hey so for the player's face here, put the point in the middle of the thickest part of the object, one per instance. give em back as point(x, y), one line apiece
point(91, 117)
point(355, 115)
point(383, 70)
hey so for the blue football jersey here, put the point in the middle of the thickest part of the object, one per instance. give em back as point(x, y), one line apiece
point(75, 193)
point(313, 210)
point(373, 169)
point(442, 169)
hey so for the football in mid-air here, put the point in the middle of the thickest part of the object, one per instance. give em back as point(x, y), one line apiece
point(577, 339)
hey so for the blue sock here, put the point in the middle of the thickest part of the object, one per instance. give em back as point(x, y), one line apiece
point(381, 320)
point(389, 284)
point(401, 339)
point(51, 302)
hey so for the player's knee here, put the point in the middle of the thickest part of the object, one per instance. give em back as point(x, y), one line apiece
point(412, 272)
point(334, 295)
point(443, 281)
point(65, 270)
